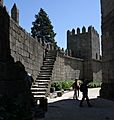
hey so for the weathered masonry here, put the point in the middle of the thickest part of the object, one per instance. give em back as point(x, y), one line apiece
point(107, 12)
point(23, 47)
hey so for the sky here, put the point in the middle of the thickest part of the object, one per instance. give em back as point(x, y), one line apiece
point(63, 14)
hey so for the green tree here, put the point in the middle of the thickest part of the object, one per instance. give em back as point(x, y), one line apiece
point(42, 27)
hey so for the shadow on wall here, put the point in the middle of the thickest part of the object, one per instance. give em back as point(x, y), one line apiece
point(97, 66)
point(75, 65)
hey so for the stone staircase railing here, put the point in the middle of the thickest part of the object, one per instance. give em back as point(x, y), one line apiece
point(41, 88)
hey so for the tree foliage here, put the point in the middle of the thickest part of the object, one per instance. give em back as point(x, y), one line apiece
point(42, 27)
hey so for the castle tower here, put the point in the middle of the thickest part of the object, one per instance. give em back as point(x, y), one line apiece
point(85, 44)
point(1, 2)
point(107, 15)
point(15, 13)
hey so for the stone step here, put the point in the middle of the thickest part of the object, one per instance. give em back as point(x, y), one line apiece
point(43, 86)
point(46, 68)
point(44, 75)
point(49, 58)
point(40, 81)
point(47, 62)
point(39, 93)
point(43, 83)
point(43, 78)
point(34, 85)
point(39, 96)
point(38, 89)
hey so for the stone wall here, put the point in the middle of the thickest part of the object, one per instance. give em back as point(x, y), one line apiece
point(95, 43)
point(67, 68)
point(10, 83)
point(97, 70)
point(106, 7)
point(70, 68)
point(107, 11)
point(26, 49)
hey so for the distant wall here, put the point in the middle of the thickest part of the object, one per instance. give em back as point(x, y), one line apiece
point(67, 68)
point(70, 68)
point(26, 49)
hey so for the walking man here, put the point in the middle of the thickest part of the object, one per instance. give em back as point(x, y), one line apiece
point(84, 90)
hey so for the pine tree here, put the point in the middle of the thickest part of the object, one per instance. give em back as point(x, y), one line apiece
point(42, 27)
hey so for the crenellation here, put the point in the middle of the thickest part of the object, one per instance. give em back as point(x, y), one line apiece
point(73, 31)
point(83, 29)
point(68, 32)
point(78, 30)
point(90, 29)
point(15, 13)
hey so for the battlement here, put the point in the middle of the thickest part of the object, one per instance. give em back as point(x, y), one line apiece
point(82, 31)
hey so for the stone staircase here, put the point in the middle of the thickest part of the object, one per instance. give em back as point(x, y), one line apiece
point(41, 88)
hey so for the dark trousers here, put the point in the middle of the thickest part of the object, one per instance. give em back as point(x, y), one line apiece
point(85, 95)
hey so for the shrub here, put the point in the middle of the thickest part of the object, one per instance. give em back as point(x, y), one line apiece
point(94, 84)
point(59, 85)
point(67, 84)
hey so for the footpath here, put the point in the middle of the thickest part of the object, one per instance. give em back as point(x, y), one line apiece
point(66, 108)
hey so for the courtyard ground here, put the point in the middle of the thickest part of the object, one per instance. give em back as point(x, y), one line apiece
point(66, 108)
